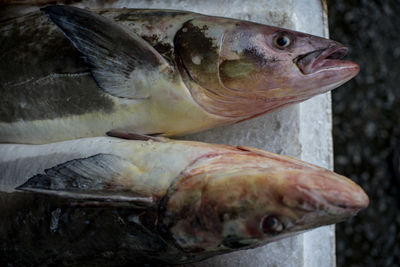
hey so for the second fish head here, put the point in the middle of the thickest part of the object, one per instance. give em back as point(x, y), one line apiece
point(242, 201)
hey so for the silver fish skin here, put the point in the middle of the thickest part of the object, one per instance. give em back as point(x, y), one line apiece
point(68, 73)
point(112, 202)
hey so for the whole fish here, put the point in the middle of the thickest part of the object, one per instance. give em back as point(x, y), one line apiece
point(67, 73)
point(111, 202)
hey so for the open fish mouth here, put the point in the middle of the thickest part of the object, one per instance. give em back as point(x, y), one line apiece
point(323, 59)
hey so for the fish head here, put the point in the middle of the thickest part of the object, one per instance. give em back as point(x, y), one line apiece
point(246, 69)
point(280, 63)
point(246, 200)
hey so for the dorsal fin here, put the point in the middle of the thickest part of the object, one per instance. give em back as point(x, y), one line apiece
point(123, 64)
point(102, 177)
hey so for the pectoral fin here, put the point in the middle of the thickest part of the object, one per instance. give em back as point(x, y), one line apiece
point(123, 64)
point(103, 177)
point(125, 134)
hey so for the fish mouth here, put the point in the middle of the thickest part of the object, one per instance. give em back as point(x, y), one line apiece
point(329, 58)
point(346, 209)
point(336, 202)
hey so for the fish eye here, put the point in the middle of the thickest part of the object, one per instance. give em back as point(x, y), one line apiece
point(283, 40)
point(271, 225)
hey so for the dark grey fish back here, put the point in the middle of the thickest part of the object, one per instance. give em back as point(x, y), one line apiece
point(157, 27)
point(41, 73)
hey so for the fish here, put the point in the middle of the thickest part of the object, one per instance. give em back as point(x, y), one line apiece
point(69, 73)
point(113, 202)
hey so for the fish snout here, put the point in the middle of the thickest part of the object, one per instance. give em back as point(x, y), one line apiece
point(330, 195)
point(346, 198)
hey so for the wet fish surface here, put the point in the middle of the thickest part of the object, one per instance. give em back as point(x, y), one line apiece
point(67, 73)
point(112, 202)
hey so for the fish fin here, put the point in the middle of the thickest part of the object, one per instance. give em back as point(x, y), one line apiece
point(124, 134)
point(102, 177)
point(123, 63)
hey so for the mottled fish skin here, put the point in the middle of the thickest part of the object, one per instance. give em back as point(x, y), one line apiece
point(211, 71)
point(111, 202)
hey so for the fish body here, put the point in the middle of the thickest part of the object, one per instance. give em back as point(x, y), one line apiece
point(68, 73)
point(113, 202)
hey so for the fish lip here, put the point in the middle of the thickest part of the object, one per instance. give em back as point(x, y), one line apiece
point(344, 209)
point(359, 200)
point(329, 58)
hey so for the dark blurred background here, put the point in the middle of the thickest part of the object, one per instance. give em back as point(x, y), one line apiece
point(366, 128)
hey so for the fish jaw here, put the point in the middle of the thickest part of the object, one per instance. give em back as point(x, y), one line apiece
point(219, 206)
point(322, 59)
